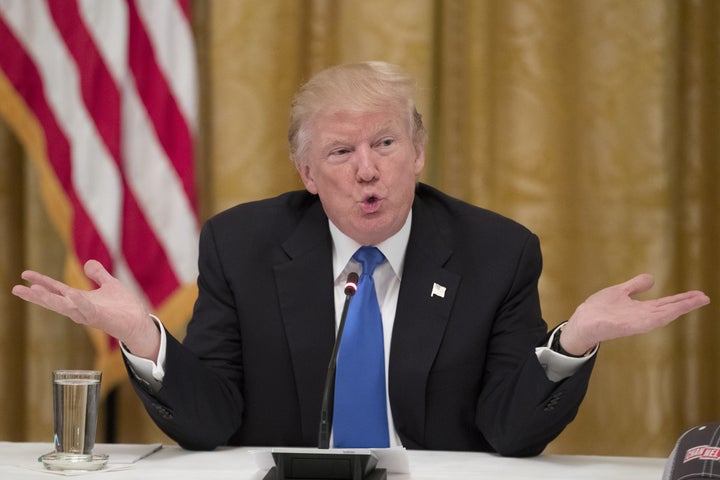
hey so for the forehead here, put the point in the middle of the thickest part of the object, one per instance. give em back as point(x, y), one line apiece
point(349, 125)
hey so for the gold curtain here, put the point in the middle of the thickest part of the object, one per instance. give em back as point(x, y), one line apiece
point(593, 122)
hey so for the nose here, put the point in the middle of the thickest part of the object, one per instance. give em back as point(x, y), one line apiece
point(367, 170)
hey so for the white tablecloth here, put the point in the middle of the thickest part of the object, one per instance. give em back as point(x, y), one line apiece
point(19, 461)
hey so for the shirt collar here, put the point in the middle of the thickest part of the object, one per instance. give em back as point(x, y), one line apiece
point(393, 248)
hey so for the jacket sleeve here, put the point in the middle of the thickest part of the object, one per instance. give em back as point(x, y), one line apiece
point(520, 410)
point(199, 404)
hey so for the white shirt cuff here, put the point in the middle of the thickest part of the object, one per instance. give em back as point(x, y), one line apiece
point(151, 372)
point(558, 366)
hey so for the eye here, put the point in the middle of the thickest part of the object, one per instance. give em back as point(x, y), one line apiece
point(386, 142)
point(339, 152)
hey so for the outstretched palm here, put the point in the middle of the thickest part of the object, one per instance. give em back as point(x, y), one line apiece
point(613, 313)
point(111, 307)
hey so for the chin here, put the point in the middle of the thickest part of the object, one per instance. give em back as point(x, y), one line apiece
point(374, 234)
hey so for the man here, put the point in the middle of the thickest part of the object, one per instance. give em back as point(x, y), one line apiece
point(469, 362)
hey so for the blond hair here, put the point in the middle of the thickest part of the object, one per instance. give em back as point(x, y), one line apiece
point(356, 87)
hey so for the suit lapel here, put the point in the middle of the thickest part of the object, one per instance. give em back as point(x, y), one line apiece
point(305, 289)
point(427, 293)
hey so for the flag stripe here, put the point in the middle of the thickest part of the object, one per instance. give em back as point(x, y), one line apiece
point(149, 170)
point(99, 91)
point(146, 166)
point(94, 175)
point(172, 131)
point(171, 36)
point(146, 259)
point(185, 7)
point(108, 29)
point(66, 155)
point(113, 126)
point(23, 74)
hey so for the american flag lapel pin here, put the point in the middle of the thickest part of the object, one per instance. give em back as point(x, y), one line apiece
point(437, 291)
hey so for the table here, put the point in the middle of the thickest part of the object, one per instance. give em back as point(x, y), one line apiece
point(18, 461)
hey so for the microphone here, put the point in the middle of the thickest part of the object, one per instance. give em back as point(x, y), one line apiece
point(326, 411)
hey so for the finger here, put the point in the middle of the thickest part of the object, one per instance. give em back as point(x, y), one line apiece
point(662, 314)
point(685, 305)
point(38, 295)
point(48, 283)
point(638, 284)
point(22, 291)
point(96, 272)
point(693, 295)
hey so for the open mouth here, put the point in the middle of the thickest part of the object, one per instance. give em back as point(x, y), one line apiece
point(371, 203)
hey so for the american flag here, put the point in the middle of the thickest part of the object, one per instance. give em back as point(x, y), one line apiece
point(103, 96)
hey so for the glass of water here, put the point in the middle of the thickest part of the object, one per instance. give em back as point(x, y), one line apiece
point(76, 397)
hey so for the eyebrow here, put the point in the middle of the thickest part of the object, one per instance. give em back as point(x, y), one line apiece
point(336, 141)
point(327, 147)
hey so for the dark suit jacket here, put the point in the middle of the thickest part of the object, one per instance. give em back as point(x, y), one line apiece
point(463, 373)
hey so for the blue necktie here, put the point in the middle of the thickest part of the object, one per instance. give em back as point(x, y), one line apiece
point(360, 412)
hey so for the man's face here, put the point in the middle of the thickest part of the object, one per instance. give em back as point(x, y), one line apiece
point(363, 166)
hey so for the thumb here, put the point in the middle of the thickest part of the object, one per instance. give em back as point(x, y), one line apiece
point(638, 284)
point(96, 272)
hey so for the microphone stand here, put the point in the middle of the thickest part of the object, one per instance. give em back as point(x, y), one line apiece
point(326, 412)
point(326, 464)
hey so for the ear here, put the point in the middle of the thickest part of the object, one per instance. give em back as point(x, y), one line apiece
point(419, 159)
point(306, 175)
